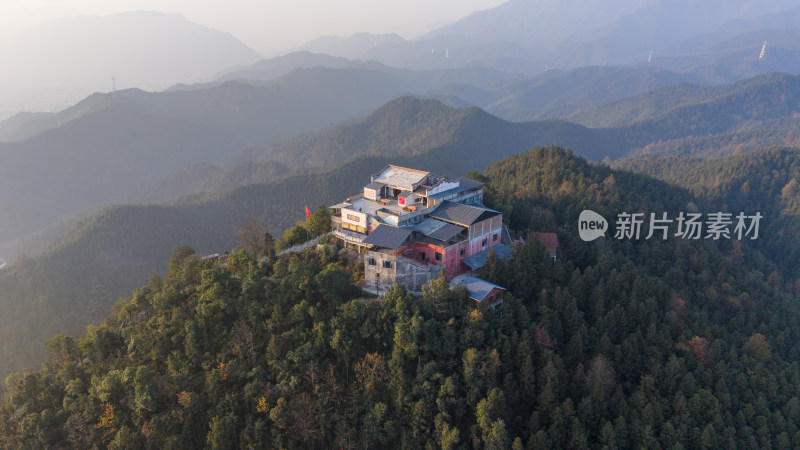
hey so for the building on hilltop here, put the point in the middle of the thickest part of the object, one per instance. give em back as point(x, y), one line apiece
point(550, 242)
point(413, 225)
point(488, 294)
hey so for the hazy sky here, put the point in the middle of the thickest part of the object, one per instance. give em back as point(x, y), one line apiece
point(268, 25)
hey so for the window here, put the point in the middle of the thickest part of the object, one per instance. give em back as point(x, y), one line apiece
point(351, 227)
point(463, 251)
point(438, 256)
point(387, 264)
point(494, 238)
point(421, 256)
point(371, 261)
point(483, 244)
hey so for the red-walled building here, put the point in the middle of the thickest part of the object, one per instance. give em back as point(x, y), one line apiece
point(413, 225)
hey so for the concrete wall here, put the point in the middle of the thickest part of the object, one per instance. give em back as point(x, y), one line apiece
point(443, 186)
point(467, 198)
point(405, 271)
point(377, 277)
point(354, 219)
point(485, 229)
point(413, 275)
point(371, 194)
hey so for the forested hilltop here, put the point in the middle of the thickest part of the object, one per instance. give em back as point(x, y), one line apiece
point(621, 343)
point(765, 180)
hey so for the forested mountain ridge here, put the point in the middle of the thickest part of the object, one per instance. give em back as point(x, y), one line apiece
point(765, 181)
point(76, 280)
point(159, 134)
point(96, 158)
point(134, 137)
point(279, 202)
point(620, 343)
point(405, 127)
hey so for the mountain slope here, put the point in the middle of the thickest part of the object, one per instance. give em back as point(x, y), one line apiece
point(683, 118)
point(351, 47)
point(765, 181)
point(100, 248)
point(115, 250)
point(269, 69)
point(738, 57)
point(656, 27)
point(101, 157)
point(110, 146)
point(619, 342)
point(542, 22)
point(531, 98)
point(761, 97)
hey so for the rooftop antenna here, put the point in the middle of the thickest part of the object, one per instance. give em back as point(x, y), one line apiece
point(763, 50)
point(113, 85)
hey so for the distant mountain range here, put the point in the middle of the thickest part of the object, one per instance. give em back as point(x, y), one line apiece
point(66, 59)
point(111, 146)
point(121, 148)
point(425, 132)
point(711, 42)
point(759, 98)
point(533, 97)
point(531, 37)
point(352, 47)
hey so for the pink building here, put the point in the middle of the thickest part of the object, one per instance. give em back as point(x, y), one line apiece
point(413, 225)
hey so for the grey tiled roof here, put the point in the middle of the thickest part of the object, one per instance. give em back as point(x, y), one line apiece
point(478, 288)
point(428, 226)
point(477, 260)
point(447, 232)
point(468, 183)
point(464, 215)
point(437, 229)
point(387, 236)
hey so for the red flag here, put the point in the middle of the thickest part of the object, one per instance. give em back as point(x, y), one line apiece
point(308, 213)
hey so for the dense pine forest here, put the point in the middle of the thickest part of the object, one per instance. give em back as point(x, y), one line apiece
point(619, 344)
point(765, 180)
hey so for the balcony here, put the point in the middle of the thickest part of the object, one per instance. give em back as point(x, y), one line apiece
point(348, 236)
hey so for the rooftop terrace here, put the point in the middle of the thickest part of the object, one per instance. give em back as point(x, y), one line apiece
point(400, 177)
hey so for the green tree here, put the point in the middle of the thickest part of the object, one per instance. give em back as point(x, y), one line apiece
point(254, 237)
point(319, 223)
point(758, 347)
